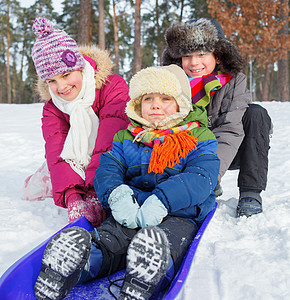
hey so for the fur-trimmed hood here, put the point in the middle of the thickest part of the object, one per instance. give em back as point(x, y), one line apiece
point(206, 35)
point(102, 62)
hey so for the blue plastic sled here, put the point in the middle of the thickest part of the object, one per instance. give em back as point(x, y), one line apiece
point(18, 281)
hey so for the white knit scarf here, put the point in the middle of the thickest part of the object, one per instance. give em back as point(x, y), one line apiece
point(81, 138)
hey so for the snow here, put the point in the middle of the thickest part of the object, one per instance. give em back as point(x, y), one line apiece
point(238, 258)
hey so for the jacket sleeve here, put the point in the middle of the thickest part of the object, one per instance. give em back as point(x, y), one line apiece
point(195, 183)
point(229, 130)
point(110, 174)
point(55, 126)
point(113, 97)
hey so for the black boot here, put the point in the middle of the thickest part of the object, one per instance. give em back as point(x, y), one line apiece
point(63, 261)
point(147, 263)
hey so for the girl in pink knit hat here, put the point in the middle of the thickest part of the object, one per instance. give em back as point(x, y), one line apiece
point(85, 107)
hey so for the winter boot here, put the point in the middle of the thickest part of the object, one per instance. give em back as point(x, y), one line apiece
point(248, 207)
point(148, 259)
point(218, 190)
point(63, 260)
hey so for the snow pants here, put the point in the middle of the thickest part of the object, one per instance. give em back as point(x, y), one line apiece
point(252, 156)
point(113, 240)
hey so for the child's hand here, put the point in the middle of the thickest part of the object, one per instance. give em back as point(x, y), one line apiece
point(124, 206)
point(152, 212)
point(92, 202)
point(90, 209)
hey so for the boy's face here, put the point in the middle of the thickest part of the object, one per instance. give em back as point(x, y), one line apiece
point(198, 64)
point(66, 85)
point(156, 107)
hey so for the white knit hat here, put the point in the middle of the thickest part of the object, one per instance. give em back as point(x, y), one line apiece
point(168, 80)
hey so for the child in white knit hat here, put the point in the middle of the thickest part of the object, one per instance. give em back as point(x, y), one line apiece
point(158, 182)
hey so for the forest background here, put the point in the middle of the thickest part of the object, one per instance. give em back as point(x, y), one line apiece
point(133, 33)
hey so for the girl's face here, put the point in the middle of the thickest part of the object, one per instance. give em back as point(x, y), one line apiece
point(156, 107)
point(66, 85)
point(198, 64)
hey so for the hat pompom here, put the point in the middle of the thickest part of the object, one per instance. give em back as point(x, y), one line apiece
point(42, 27)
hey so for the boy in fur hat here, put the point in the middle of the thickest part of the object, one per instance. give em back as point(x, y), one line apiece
point(213, 66)
point(158, 182)
point(85, 107)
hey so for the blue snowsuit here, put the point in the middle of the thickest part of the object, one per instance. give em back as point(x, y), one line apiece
point(186, 190)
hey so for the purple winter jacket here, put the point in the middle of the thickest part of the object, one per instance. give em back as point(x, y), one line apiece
point(109, 106)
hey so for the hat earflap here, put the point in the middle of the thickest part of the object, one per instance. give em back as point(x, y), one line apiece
point(167, 59)
point(230, 59)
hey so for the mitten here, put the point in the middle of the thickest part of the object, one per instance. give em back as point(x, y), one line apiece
point(100, 214)
point(152, 212)
point(124, 206)
point(77, 207)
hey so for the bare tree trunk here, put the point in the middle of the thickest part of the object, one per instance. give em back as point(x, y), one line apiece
point(159, 45)
point(84, 31)
point(2, 74)
point(283, 75)
point(266, 83)
point(8, 82)
point(21, 85)
point(116, 38)
point(283, 72)
point(181, 10)
point(15, 85)
point(1, 94)
point(137, 60)
point(102, 41)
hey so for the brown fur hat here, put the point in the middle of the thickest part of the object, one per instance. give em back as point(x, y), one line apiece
point(205, 35)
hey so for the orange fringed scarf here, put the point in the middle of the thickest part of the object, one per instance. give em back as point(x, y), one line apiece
point(169, 153)
point(169, 145)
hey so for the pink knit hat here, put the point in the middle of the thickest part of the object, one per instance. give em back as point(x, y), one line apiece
point(54, 52)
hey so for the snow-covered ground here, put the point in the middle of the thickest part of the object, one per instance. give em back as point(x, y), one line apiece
point(236, 259)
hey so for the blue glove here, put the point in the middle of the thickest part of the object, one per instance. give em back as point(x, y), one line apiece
point(124, 206)
point(152, 212)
